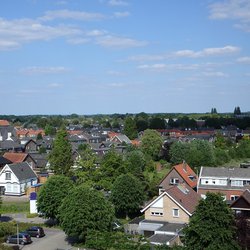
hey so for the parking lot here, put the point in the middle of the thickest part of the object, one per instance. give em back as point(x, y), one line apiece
point(53, 240)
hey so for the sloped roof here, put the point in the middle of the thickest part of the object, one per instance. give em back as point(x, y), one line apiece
point(4, 161)
point(22, 171)
point(245, 196)
point(185, 171)
point(183, 195)
point(15, 157)
point(4, 123)
point(226, 172)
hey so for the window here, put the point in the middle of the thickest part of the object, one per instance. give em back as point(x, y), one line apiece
point(175, 212)
point(174, 181)
point(8, 176)
point(237, 183)
point(234, 197)
point(157, 213)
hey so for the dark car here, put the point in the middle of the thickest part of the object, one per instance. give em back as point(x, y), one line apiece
point(35, 232)
point(21, 238)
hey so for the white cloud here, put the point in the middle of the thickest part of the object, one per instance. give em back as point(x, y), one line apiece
point(245, 59)
point(78, 40)
point(44, 70)
point(215, 74)
point(207, 52)
point(96, 32)
point(68, 14)
point(238, 10)
point(117, 3)
point(55, 85)
point(168, 67)
point(119, 42)
point(116, 85)
point(17, 32)
point(121, 14)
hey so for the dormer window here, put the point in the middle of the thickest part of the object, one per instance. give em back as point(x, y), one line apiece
point(8, 176)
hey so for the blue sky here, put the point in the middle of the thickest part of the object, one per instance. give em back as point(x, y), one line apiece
point(124, 56)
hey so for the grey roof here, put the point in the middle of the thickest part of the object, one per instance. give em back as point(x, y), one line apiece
point(4, 161)
point(6, 145)
point(172, 227)
point(40, 159)
point(161, 238)
point(123, 138)
point(226, 172)
point(22, 171)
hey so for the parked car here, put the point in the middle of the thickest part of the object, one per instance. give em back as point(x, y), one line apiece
point(21, 238)
point(35, 231)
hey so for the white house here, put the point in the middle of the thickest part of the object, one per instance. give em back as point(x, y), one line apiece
point(16, 178)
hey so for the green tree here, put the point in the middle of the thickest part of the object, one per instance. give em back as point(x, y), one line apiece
point(127, 194)
point(136, 162)
point(86, 166)
point(212, 226)
point(237, 111)
point(85, 209)
point(51, 194)
point(151, 143)
point(60, 157)
point(112, 166)
point(39, 136)
point(130, 129)
point(49, 130)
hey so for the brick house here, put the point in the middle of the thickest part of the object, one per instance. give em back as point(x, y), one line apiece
point(168, 214)
point(181, 173)
point(230, 182)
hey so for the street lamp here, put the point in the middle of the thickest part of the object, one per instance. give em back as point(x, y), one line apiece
point(17, 233)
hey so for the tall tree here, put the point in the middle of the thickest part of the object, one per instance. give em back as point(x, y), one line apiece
point(237, 110)
point(60, 157)
point(151, 143)
point(127, 194)
point(130, 129)
point(51, 194)
point(83, 210)
point(211, 226)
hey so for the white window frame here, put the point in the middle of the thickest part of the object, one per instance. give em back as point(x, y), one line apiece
point(237, 183)
point(157, 213)
point(174, 212)
point(7, 175)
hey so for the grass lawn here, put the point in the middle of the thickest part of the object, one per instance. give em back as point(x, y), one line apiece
point(15, 207)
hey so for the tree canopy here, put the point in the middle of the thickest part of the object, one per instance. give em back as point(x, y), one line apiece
point(51, 194)
point(83, 210)
point(212, 226)
point(60, 157)
point(130, 129)
point(127, 194)
point(151, 143)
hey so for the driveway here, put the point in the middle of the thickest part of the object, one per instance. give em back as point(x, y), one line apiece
point(54, 239)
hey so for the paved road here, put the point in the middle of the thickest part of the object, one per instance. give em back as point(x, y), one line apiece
point(54, 239)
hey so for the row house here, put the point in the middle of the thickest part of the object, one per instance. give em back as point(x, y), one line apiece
point(230, 182)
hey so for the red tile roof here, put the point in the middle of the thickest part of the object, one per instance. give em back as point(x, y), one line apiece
point(185, 171)
point(4, 123)
point(15, 157)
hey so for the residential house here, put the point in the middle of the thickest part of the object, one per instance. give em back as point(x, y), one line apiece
point(30, 146)
point(231, 182)
point(181, 173)
point(241, 207)
point(20, 157)
point(120, 138)
point(4, 161)
point(168, 214)
point(16, 178)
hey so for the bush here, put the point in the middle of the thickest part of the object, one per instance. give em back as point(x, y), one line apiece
point(7, 228)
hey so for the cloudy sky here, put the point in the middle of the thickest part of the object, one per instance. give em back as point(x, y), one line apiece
point(124, 56)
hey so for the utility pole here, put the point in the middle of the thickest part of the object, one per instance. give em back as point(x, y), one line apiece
point(17, 232)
